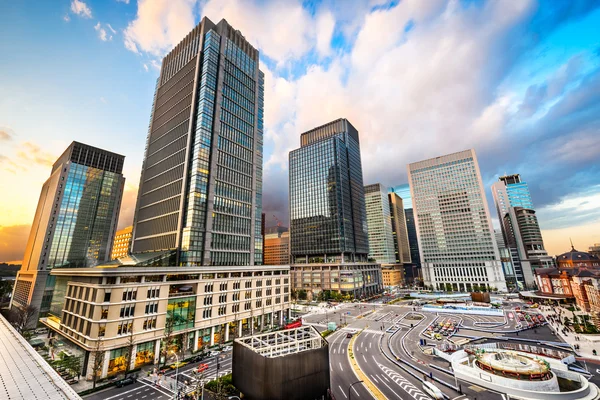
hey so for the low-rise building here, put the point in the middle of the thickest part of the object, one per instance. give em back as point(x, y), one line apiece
point(277, 246)
point(393, 275)
point(158, 307)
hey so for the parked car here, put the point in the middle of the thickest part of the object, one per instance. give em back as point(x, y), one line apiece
point(198, 358)
point(214, 353)
point(41, 330)
point(126, 381)
point(227, 348)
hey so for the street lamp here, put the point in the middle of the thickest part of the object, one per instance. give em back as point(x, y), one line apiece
point(350, 387)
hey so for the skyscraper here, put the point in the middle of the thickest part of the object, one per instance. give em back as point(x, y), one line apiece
point(75, 221)
point(201, 182)
point(327, 211)
point(379, 222)
point(412, 271)
point(457, 244)
point(399, 229)
point(520, 228)
point(122, 243)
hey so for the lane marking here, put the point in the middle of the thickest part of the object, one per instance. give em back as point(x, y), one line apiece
point(372, 377)
point(344, 393)
point(341, 366)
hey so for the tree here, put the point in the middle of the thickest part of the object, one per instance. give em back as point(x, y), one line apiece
point(167, 339)
point(6, 288)
point(185, 341)
point(129, 354)
point(302, 295)
point(97, 360)
point(448, 287)
point(23, 318)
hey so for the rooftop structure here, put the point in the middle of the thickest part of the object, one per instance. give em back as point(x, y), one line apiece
point(24, 373)
point(281, 343)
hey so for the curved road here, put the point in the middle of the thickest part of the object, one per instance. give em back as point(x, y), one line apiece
point(341, 374)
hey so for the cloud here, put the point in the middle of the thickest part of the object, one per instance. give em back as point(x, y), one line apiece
point(102, 35)
point(159, 25)
point(13, 240)
point(66, 18)
point(111, 28)
point(29, 152)
point(146, 67)
point(6, 134)
point(80, 8)
point(123, 1)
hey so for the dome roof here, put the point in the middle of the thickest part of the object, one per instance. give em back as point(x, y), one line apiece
point(576, 256)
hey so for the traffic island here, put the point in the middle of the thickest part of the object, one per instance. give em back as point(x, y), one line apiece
point(361, 375)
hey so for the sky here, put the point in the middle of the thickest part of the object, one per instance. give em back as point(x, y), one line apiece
point(518, 81)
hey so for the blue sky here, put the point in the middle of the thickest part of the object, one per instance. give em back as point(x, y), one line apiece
point(517, 81)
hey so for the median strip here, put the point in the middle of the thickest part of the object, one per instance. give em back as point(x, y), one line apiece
point(360, 374)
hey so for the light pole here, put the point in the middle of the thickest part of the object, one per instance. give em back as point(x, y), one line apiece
point(350, 387)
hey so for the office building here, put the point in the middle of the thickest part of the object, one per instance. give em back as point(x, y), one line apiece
point(457, 244)
point(412, 271)
point(75, 221)
point(194, 277)
point(277, 246)
point(328, 231)
point(399, 229)
point(595, 249)
point(392, 275)
point(520, 228)
point(508, 266)
point(122, 243)
point(201, 182)
point(379, 223)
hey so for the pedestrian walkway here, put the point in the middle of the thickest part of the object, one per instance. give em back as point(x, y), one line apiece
point(586, 346)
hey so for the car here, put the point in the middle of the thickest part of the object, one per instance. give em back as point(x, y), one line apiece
point(41, 330)
point(202, 367)
point(227, 348)
point(126, 381)
point(214, 353)
point(178, 364)
point(433, 391)
point(348, 335)
point(198, 358)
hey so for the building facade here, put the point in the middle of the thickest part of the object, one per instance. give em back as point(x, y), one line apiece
point(379, 222)
point(328, 223)
point(399, 230)
point(160, 309)
point(122, 243)
point(595, 250)
point(201, 182)
point(393, 276)
point(412, 271)
point(520, 228)
point(75, 221)
point(457, 244)
point(277, 248)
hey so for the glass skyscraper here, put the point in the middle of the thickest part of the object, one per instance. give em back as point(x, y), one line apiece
point(201, 183)
point(379, 221)
point(329, 242)
point(457, 243)
point(75, 221)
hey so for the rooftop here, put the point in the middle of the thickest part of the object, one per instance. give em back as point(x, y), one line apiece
point(281, 343)
point(24, 373)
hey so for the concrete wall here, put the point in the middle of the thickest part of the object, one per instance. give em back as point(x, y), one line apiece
point(299, 376)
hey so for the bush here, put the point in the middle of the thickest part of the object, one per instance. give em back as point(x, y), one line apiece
point(225, 384)
point(326, 333)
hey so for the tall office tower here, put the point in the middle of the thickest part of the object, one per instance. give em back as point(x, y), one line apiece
point(75, 221)
point(508, 265)
point(201, 182)
point(329, 239)
point(277, 246)
point(399, 229)
point(122, 243)
point(520, 228)
point(412, 271)
point(457, 244)
point(379, 222)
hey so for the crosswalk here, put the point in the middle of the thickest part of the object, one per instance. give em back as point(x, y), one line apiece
point(408, 387)
point(389, 317)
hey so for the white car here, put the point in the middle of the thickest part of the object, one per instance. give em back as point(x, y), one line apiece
point(214, 353)
point(227, 348)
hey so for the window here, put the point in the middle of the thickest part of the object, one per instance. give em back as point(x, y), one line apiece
point(235, 308)
point(248, 284)
point(259, 293)
point(151, 308)
point(258, 303)
point(236, 296)
point(223, 286)
point(127, 311)
point(101, 330)
point(248, 294)
point(207, 313)
point(223, 298)
point(247, 306)
point(269, 302)
point(153, 292)
point(208, 300)
point(125, 327)
point(104, 314)
point(222, 310)
point(129, 294)
point(236, 285)
point(208, 288)
point(149, 323)
point(107, 296)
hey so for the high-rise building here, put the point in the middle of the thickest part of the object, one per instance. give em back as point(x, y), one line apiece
point(328, 230)
point(520, 228)
point(399, 229)
point(595, 249)
point(75, 221)
point(195, 276)
point(412, 271)
point(277, 246)
point(507, 263)
point(201, 182)
point(379, 222)
point(122, 243)
point(456, 239)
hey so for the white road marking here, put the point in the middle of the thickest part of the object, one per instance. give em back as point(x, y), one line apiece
point(372, 377)
point(333, 351)
point(353, 388)
point(364, 358)
point(370, 343)
point(342, 390)
point(341, 367)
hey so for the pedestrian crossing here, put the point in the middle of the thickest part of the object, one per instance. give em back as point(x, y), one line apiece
point(408, 387)
point(385, 317)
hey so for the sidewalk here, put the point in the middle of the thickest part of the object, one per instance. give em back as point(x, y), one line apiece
point(586, 346)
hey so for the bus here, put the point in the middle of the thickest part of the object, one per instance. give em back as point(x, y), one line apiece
point(433, 391)
point(294, 324)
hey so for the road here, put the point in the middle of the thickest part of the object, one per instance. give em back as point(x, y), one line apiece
point(145, 389)
point(341, 374)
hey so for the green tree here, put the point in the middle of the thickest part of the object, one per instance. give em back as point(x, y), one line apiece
point(165, 342)
point(302, 295)
point(97, 355)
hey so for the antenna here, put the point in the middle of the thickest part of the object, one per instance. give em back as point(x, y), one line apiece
point(572, 247)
